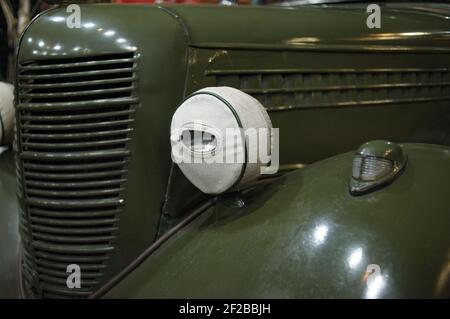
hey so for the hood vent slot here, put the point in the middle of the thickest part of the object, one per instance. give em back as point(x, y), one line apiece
point(280, 90)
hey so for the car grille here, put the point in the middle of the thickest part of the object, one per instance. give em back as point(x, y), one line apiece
point(295, 89)
point(74, 124)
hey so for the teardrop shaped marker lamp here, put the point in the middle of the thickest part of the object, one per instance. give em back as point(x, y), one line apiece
point(375, 165)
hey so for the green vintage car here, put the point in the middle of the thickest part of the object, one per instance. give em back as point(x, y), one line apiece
point(358, 209)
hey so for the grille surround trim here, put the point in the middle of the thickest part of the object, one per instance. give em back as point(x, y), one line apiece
point(72, 161)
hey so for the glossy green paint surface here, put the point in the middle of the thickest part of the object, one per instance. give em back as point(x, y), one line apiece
point(302, 28)
point(296, 42)
point(382, 149)
point(306, 236)
point(305, 129)
point(161, 44)
point(297, 54)
point(9, 226)
point(182, 49)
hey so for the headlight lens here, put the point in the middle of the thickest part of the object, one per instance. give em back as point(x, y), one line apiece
point(199, 142)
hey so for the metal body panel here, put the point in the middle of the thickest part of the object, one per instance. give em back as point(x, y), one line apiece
point(9, 226)
point(301, 28)
point(349, 82)
point(160, 72)
point(305, 236)
point(179, 49)
point(352, 96)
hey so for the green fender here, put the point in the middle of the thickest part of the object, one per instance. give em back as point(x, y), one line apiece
point(9, 234)
point(305, 236)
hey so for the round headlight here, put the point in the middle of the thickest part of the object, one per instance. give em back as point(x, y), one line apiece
point(375, 164)
point(219, 136)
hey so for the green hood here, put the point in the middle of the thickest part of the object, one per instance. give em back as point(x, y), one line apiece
point(305, 236)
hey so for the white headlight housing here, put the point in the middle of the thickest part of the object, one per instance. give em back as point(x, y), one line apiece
point(6, 113)
point(219, 136)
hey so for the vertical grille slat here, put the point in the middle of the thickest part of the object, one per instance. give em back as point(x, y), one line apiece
point(74, 128)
